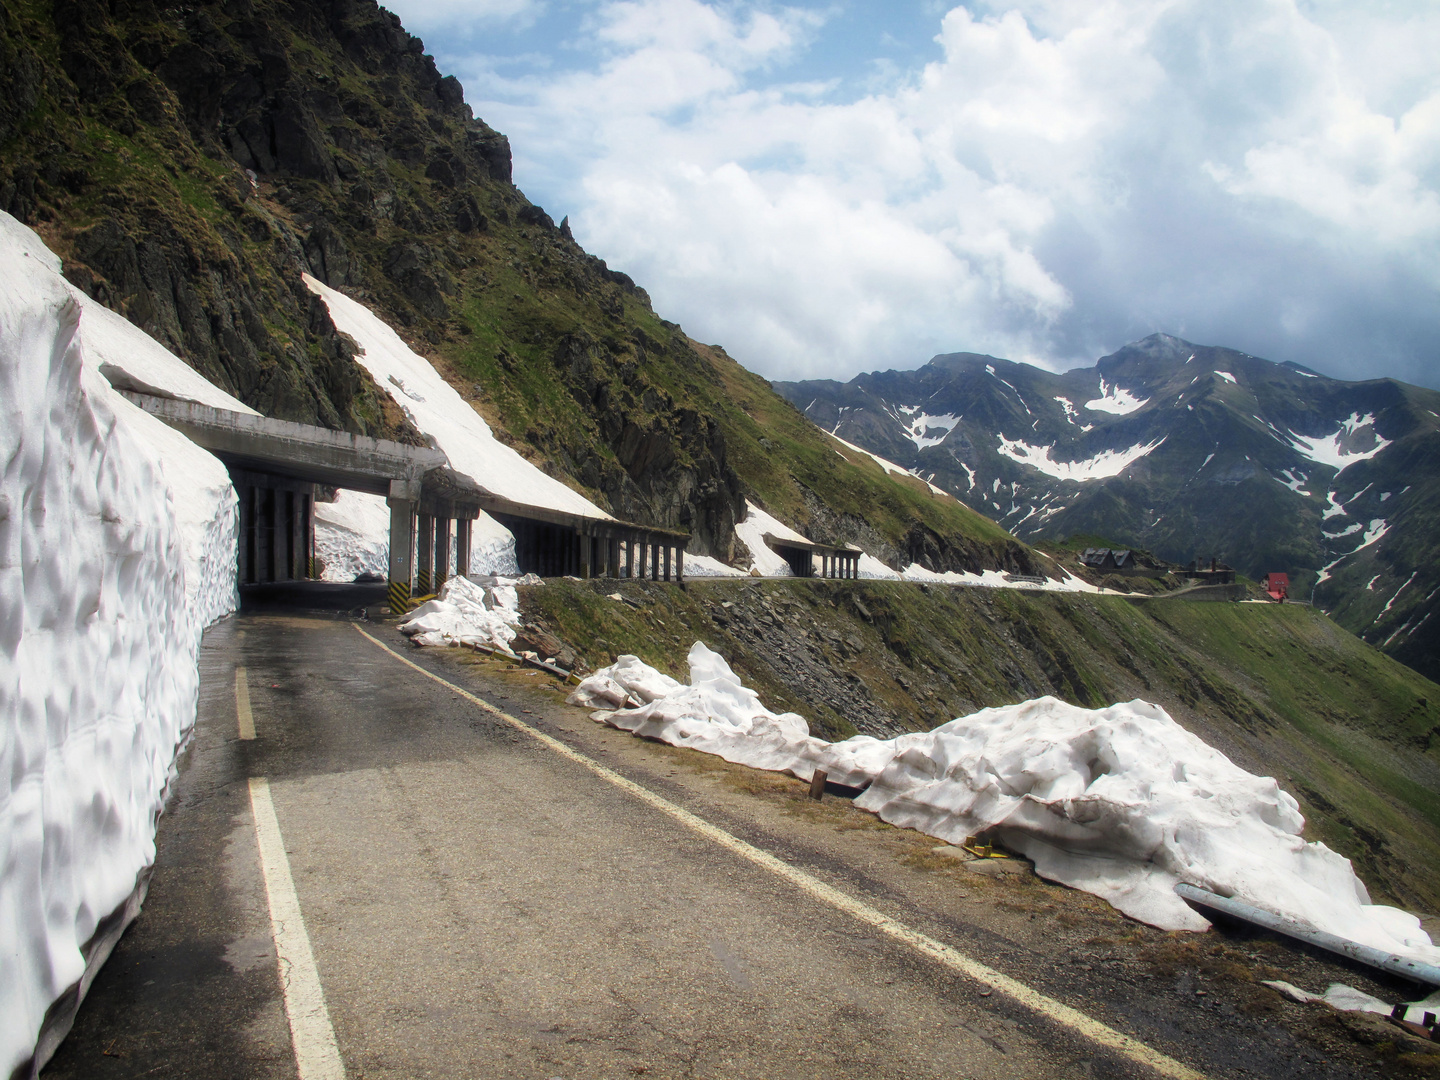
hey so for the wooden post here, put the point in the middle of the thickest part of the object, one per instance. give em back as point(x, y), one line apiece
point(817, 784)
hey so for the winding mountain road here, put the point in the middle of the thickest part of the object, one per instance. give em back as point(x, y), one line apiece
point(422, 865)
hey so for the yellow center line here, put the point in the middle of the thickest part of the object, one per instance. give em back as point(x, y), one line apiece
point(938, 951)
point(243, 716)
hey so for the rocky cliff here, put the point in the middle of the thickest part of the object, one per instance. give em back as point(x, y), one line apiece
point(189, 163)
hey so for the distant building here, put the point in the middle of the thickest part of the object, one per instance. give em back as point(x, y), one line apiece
point(1278, 586)
point(1217, 573)
point(1108, 559)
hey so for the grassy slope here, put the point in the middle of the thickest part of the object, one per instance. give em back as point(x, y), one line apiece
point(1280, 689)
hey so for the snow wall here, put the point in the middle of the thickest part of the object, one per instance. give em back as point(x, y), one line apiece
point(117, 547)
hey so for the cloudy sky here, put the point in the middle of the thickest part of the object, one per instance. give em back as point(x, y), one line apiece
point(827, 188)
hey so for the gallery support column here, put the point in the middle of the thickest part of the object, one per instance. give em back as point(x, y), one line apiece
point(442, 551)
point(402, 541)
point(462, 546)
point(424, 555)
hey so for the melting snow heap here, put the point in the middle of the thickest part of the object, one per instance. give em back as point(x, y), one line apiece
point(1121, 802)
point(117, 548)
point(482, 611)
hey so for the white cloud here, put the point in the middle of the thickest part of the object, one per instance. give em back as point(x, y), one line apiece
point(1062, 178)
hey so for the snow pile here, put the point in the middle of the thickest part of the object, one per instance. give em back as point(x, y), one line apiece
point(352, 536)
point(1120, 802)
point(995, 579)
point(751, 532)
point(1105, 464)
point(434, 407)
point(117, 546)
point(871, 567)
point(465, 612)
point(708, 566)
point(716, 713)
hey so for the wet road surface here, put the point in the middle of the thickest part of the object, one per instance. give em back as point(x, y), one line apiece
point(479, 905)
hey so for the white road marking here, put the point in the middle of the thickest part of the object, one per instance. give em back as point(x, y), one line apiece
point(243, 715)
point(943, 954)
point(317, 1057)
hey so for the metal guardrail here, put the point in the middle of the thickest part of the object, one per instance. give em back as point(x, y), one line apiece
point(1302, 931)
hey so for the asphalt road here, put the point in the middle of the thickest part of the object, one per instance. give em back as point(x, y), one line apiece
point(480, 905)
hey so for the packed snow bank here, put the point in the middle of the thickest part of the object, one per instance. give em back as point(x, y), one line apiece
point(117, 546)
point(352, 536)
point(482, 611)
point(751, 533)
point(708, 566)
point(1120, 802)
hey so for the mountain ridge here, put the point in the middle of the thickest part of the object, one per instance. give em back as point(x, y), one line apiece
point(1191, 451)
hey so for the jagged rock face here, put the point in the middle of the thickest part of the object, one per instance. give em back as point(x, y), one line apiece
point(1189, 451)
point(190, 164)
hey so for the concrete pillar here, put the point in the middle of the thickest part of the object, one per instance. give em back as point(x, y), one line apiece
point(679, 563)
point(425, 556)
point(294, 502)
point(612, 557)
point(308, 518)
point(667, 562)
point(462, 546)
point(630, 547)
point(654, 561)
point(247, 533)
point(442, 551)
point(402, 543)
point(271, 535)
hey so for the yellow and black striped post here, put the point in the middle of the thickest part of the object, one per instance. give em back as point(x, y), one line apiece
point(424, 554)
point(399, 597)
point(402, 499)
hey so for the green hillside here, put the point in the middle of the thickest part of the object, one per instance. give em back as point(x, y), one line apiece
point(190, 166)
point(1280, 689)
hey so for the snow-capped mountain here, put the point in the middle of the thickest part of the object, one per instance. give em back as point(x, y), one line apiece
point(1191, 451)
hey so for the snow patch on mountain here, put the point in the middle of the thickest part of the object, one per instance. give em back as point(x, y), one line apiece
point(751, 532)
point(890, 466)
point(434, 406)
point(1293, 479)
point(1115, 399)
point(921, 428)
point(1226, 376)
point(1340, 449)
point(1104, 464)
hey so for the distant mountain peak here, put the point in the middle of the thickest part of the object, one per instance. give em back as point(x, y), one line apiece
point(1187, 450)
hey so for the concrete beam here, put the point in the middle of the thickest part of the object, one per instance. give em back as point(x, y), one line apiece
point(301, 451)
